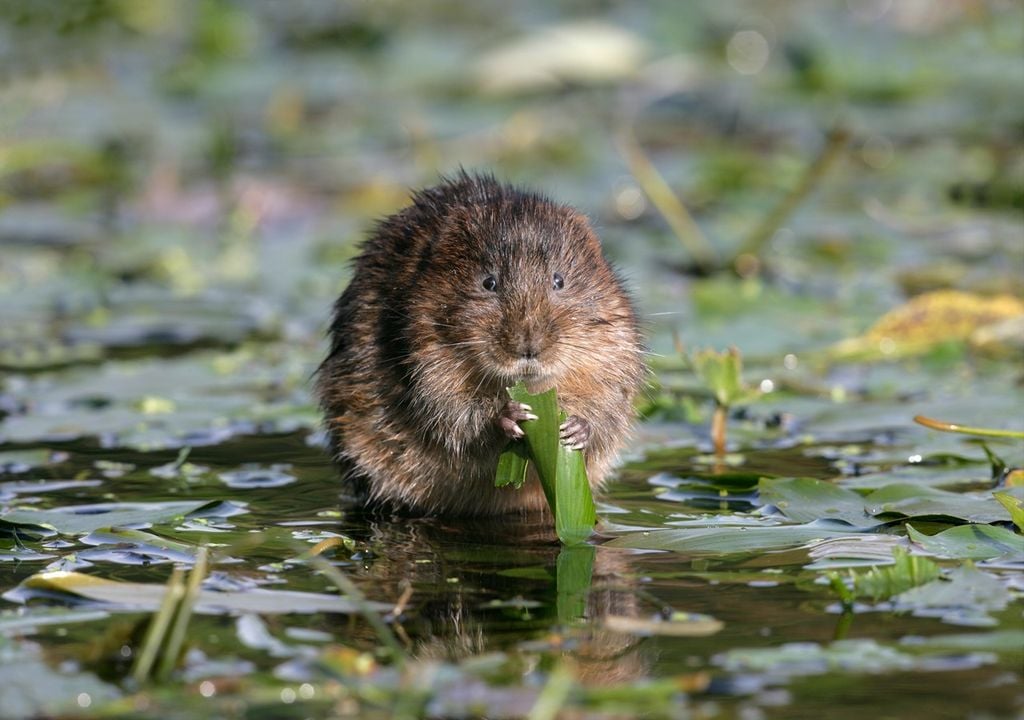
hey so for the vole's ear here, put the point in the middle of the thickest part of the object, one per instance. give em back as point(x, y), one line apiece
point(579, 233)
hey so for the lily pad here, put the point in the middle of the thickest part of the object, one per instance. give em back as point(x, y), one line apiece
point(82, 519)
point(964, 597)
point(848, 656)
point(730, 540)
point(31, 688)
point(147, 597)
point(675, 625)
point(973, 542)
point(808, 499)
point(915, 501)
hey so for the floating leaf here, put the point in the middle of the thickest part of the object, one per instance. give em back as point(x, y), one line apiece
point(962, 598)
point(586, 52)
point(148, 596)
point(728, 540)
point(82, 519)
point(32, 688)
point(848, 656)
point(808, 499)
point(676, 625)
point(915, 500)
point(1002, 641)
point(26, 621)
point(971, 542)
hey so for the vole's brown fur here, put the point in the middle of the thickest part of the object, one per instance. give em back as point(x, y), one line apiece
point(453, 299)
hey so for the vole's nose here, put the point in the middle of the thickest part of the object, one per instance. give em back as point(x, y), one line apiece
point(529, 341)
point(528, 346)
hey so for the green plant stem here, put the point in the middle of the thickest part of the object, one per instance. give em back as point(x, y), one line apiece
point(667, 202)
point(348, 587)
point(176, 638)
point(718, 429)
point(158, 626)
point(944, 426)
point(835, 143)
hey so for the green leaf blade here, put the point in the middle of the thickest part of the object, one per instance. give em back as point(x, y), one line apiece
point(562, 471)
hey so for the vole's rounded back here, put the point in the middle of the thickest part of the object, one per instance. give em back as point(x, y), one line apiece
point(474, 286)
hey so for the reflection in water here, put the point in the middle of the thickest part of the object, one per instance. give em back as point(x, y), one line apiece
point(482, 586)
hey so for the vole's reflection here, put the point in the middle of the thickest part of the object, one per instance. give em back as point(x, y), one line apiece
point(482, 586)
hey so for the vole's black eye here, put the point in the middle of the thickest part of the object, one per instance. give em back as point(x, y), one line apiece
point(557, 281)
point(490, 283)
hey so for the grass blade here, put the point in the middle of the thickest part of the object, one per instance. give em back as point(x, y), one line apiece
point(158, 626)
point(176, 638)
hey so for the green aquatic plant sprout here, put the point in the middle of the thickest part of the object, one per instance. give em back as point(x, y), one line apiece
point(562, 471)
point(879, 583)
point(722, 374)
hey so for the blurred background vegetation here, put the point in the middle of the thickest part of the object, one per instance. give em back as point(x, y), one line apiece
point(216, 162)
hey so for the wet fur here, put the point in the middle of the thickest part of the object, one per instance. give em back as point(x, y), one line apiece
point(421, 353)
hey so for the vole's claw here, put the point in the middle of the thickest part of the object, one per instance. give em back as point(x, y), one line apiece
point(575, 432)
point(513, 413)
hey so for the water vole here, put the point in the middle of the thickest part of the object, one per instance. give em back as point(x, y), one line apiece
point(472, 287)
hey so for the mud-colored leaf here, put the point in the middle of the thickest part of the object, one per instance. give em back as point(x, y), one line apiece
point(675, 625)
point(927, 321)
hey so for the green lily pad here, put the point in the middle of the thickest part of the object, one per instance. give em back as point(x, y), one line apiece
point(82, 519)
point(964, 597)
point(848, 656)
point(730, 540)
point(148, 596)
point(914, 501)
point(807, 499)
point(25, 622)
point(31, 688)
point(971, 542)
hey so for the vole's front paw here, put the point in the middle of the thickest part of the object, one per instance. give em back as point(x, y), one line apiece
point(511, 415)
point(575, 432)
